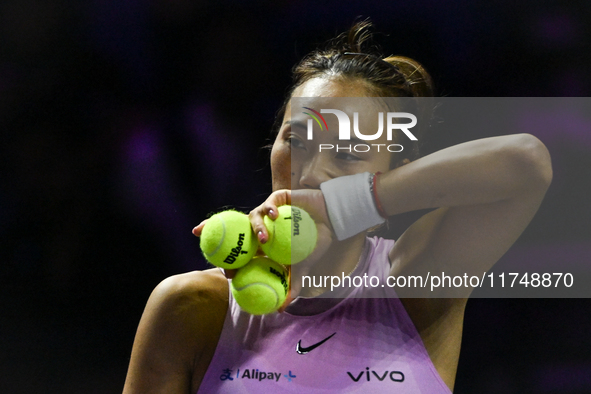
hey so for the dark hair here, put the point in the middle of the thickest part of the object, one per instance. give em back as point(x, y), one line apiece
point(393, 76)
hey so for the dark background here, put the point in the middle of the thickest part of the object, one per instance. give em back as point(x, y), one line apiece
point(123, 124)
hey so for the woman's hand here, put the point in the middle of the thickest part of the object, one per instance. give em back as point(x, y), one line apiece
point(310, 200)
point(268, 208)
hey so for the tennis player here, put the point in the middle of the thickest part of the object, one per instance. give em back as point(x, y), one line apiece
point(194, 338)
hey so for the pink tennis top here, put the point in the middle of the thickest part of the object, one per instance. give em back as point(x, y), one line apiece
point(322, 345)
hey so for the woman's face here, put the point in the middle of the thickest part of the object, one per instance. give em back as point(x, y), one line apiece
point(299, 163)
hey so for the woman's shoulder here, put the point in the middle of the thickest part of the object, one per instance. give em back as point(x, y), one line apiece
point(195, 302)
point(209, 287)
point(190, 303)
point(191, 307)
point(178, 333)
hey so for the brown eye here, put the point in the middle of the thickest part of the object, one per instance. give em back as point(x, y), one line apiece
point(295, 142)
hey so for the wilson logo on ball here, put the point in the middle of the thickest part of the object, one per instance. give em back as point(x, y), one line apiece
point(236, 251)
point(281, 277)
point(297, 217)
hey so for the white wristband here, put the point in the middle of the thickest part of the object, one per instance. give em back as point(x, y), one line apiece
point(350, 205)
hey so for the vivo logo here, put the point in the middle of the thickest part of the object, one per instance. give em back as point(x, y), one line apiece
point(395, 376)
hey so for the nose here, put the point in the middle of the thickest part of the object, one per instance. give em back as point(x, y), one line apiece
point(314, 172)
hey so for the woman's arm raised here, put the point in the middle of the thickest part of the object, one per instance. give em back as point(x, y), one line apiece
point(487, 192)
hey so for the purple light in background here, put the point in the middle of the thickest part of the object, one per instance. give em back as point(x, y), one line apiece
point(149, 193)
point(563, 378)
point(220, 152)
point(556, 30)
point(120, 30)
point(572, 83)
point(555, 257)
point(145, 175)
point(207, 136)
point(142, 146)
point(564, 123)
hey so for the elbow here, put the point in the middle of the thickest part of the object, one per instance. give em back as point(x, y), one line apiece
point(532, 161)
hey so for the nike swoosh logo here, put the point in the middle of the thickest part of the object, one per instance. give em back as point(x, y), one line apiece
point(304, 350)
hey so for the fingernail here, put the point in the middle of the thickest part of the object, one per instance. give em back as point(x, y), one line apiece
point(261, 236)
point(271, 212)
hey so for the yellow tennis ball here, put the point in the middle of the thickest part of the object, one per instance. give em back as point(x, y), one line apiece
point(260, 287)
point(292, 236)
point(227, 240)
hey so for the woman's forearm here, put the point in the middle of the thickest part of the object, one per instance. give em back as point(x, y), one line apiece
point(472, 173)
